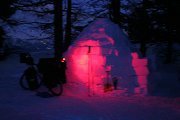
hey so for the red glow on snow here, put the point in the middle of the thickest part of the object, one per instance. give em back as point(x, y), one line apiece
point(87, 63)
point(141, 70)
point(88, 67)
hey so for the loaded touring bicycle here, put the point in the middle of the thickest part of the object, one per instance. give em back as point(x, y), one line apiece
point(49, 72)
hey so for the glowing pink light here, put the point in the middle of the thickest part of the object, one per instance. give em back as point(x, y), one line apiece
point(63, 60)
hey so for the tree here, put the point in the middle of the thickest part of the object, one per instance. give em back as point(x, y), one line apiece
point(171, 13)
point(5, 9)
point(5, 12)
point(115, 10)
point(35, 17)
point(68, 25)
point(144, 27)
point(58, 28)
point(140, 26)
point(153, 21)
point(49, 22)
point(2, 33)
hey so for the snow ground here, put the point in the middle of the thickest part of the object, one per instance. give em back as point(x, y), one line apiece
point(18, 104)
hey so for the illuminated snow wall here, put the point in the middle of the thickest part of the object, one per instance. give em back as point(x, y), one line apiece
point(141, 70)
point(101, 47)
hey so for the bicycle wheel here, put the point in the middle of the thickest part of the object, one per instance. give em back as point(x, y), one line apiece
point(30, 84)
point(23, 82)
point(56, 89)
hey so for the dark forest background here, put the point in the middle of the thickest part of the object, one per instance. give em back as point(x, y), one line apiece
point(147, 22)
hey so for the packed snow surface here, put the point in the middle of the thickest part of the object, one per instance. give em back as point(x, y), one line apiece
point(18, 104)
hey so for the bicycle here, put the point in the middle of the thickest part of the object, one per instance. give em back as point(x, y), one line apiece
point(46, 73)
